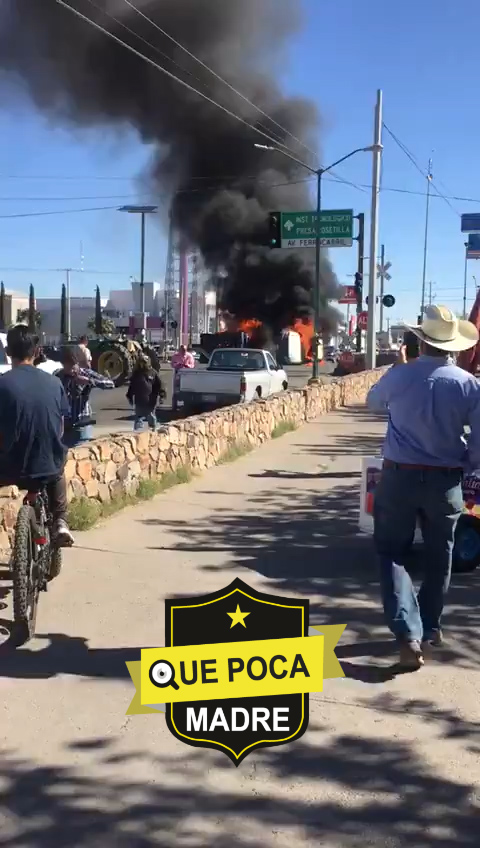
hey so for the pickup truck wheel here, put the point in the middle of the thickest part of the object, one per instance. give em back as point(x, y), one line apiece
point(258, 393)
point(285, 386)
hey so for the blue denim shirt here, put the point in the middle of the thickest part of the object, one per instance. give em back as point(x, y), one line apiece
point(429, 402)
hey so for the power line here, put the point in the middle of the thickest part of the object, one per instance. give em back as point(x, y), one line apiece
point(160, 52)
point(414, 162)
point(164, 70)
point(204, 189)
point(44, 199)
point(59, 212)
point(61, 270)
point(180, 81)
point(220, 78)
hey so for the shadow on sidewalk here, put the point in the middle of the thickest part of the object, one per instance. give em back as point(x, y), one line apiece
point(306, 542)
point(335, 790)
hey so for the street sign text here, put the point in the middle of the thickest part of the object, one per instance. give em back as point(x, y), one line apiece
point(299, 229)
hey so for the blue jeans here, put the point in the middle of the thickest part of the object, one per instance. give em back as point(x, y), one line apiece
point(76, 436)
point(403, 496)
point(144, 418)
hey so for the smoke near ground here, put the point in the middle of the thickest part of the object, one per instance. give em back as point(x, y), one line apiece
point(220, 187)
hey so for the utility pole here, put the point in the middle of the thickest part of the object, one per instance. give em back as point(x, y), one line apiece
point(142, 268)
point(371, 352)
point(68, 327)
point(425, 244)
point(360, 267)
point(465, 283)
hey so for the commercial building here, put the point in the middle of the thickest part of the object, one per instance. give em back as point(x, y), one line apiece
point(15, 302)
point(82, 310)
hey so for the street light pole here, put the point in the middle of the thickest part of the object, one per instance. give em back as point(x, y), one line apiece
point(143, 211)
point(425, 243)
point(317, 291)
point(371, 351)
point(318, 277)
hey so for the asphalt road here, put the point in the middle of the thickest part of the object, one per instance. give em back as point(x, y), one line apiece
point(113, 413)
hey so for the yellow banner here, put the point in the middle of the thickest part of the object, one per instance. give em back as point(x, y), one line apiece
point(234, 670)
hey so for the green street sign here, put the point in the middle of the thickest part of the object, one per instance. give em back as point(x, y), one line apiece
point(299, 229)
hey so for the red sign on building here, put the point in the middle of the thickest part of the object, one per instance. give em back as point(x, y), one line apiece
point(363, 320)
point(349, 295)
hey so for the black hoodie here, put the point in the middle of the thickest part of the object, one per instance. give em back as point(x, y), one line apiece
point(145, 389)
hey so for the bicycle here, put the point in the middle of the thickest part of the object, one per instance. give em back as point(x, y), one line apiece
point(35, 562)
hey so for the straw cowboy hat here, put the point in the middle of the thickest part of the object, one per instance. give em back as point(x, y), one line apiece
point(442, 329)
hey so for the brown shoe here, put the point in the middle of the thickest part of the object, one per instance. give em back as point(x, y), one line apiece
point(433, 640)
point(411, 656)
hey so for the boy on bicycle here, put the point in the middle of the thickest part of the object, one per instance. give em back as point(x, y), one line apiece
point(32, 408)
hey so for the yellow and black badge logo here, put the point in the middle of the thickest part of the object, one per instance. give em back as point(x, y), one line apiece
point(236, 670)
point(235, 617)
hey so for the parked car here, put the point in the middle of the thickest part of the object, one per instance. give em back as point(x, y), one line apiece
point(233, 375)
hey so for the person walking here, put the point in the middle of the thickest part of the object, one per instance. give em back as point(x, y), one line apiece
point(429, 401)
point(143, 393)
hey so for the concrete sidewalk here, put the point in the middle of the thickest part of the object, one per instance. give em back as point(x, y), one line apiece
point(386, 761)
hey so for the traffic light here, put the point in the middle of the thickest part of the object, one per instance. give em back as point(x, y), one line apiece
point(359, 284)
point(274, 234)
point(174, 325)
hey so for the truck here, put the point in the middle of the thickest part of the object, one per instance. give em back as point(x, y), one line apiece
point(233, 375)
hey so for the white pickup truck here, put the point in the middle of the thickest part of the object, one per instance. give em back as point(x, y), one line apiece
point(233, 375)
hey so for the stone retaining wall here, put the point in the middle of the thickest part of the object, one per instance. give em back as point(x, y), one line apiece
point(113, 466)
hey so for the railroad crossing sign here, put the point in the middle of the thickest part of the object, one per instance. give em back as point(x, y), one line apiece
point(382, 271)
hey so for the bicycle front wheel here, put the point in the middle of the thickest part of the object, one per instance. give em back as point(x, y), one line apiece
point(25, 578)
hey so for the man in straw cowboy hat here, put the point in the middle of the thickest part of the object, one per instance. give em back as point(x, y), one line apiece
point(429, 401)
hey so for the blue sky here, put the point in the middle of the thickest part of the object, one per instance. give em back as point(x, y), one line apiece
point(425, 61)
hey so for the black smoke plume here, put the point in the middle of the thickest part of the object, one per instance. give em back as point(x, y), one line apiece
point(219, 186)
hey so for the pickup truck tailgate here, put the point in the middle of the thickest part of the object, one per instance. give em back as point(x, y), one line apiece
point(209, 382)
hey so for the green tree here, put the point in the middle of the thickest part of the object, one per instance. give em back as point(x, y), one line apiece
point(98, 313)
point(23, 317)
point(107, 326)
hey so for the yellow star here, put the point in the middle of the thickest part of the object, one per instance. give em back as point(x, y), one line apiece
point(238, 617)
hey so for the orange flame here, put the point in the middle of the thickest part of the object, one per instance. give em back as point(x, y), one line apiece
point(304, 328)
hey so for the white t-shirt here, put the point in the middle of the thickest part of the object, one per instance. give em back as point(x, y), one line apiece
point(84, 356)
